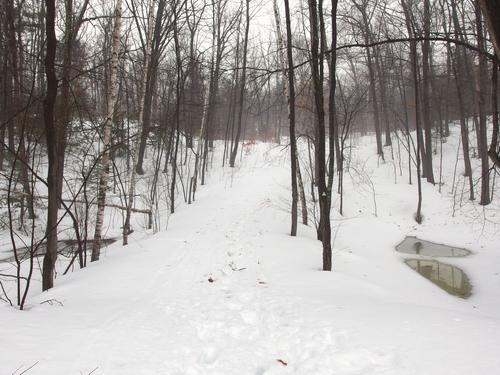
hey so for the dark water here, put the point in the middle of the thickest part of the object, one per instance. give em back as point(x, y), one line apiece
point(64, 248)
point(447, 277)
point(413, 245)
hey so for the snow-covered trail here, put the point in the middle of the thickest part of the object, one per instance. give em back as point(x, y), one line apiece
point(225, 290)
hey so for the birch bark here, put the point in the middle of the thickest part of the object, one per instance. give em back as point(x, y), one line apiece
point(111, 102)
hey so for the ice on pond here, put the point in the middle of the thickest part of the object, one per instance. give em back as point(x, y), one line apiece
point(414, 245)
point(450, 278)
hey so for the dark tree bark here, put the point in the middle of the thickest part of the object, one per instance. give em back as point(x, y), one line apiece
point(179, 86)
point(52, 137)
point(157, 45)
point(383, 96)
point(371, 73)
point(291, 115)
point(414, 69)
point(302, 195)
point(426, 93)
point(71, 28)
point(491, 10)
point(410, 22)
point(482, 105)
point(65, 93)
point(418, 215)
point(234, 150)
point(333, 127)
point(14, 101)
point(458, 68)
point(219, 40)
point(12, 69)
point(324, 230)
point(493, 151)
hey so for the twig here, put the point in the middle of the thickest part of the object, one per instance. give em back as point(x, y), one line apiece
point(5, 294)
point(13, 276)
point(29, 368)
point(52, 301)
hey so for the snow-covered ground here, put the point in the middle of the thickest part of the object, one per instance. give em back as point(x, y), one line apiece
point(226, 290)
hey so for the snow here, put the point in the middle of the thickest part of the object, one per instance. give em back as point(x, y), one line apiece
point(226, 290)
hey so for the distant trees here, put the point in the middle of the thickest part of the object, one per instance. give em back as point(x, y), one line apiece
point(362, 6)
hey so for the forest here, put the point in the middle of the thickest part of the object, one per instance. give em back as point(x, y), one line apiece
point(148, 146)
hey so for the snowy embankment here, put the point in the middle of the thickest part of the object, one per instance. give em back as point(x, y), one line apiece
point(225, 290)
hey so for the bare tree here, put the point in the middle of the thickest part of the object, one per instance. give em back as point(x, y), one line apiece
point(52, 137)
point(458, 67)
point(324, 230)
point(491, 10)
point(426, 94)
point(142, 95)
point(289, 90)
point(242, 82)
point(362, 6)
point(111, 99)
point(72, 26)
point(482, 140)
point(414, 68)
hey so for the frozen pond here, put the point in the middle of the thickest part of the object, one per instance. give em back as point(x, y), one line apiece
point(447, 277)
point(416, 246)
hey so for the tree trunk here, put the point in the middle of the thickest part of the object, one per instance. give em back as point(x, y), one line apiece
point(371, 74)
point(135, 152)
point(4, 87)
point(458, 67)
point(482, 99)
point(414, 68)
point(51, 133)
point(234, 151)
point(112, 96)
point(324, 231)
point(302, 195)
point(65, 92)
point(383, 96)
point(333, 126)
point(493, 149)
point(71, 28)
point(156, 45)
point(426, 104)
point(289, 90)
point(418, 215)
point(491, 10)
point(179, 88)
